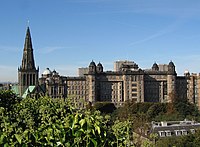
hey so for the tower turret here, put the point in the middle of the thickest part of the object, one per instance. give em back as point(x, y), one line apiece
point(155, 67)
point(92, 67)
point(99, 68)
point(171, 81)
point(171, 68)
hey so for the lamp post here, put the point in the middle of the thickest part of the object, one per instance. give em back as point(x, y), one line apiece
point(65, 90)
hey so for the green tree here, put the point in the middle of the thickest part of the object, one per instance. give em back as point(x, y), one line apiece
point(8, 99)
point(54, 122)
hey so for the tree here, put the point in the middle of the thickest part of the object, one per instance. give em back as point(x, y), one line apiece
point(8, 99)
point(54, 122)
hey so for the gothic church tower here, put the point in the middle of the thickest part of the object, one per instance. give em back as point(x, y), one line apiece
point(27, 73)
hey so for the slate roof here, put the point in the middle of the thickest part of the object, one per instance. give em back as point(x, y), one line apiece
point(175, 126)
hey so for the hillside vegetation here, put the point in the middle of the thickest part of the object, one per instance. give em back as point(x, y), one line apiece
point(55, 122)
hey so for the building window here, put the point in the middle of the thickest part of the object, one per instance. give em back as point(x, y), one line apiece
point(168, 133)
point(24, 79)
point(134, 78)
point(134, 90)
point(184, 132)
point(178, 132)
point(134, 94)
point(134, 85)
point(33, 78)
point(60, 90)
point(162, 133)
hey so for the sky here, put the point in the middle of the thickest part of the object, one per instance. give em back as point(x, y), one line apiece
point(68, 34)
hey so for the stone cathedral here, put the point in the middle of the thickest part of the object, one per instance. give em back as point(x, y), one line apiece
point(126, 82)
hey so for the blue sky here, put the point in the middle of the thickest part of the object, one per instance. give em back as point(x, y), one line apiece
point(68, 34)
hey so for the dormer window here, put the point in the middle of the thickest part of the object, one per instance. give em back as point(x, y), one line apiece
point(168, 133)
point(162, 133)
point(178, 132)
point(184, 132)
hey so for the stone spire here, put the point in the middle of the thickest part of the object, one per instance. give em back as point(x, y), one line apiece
point(27, 73)
point(28, 62)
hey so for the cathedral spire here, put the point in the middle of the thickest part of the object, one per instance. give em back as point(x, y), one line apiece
point(28, 62)
point(27, 73)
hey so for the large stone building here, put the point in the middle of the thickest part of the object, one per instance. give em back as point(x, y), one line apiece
point(126, 82)
point(129, 83)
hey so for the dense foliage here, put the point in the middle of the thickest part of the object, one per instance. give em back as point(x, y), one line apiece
point(8, 99)
point(141, 114)
point(104, 107)
point(178, 110)
point(54, 122)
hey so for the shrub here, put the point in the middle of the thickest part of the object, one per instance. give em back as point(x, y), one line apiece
point(54, 122)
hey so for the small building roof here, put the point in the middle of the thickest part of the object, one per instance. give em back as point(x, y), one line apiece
point(28, 90)
point(46, 71)
point(15, 89)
